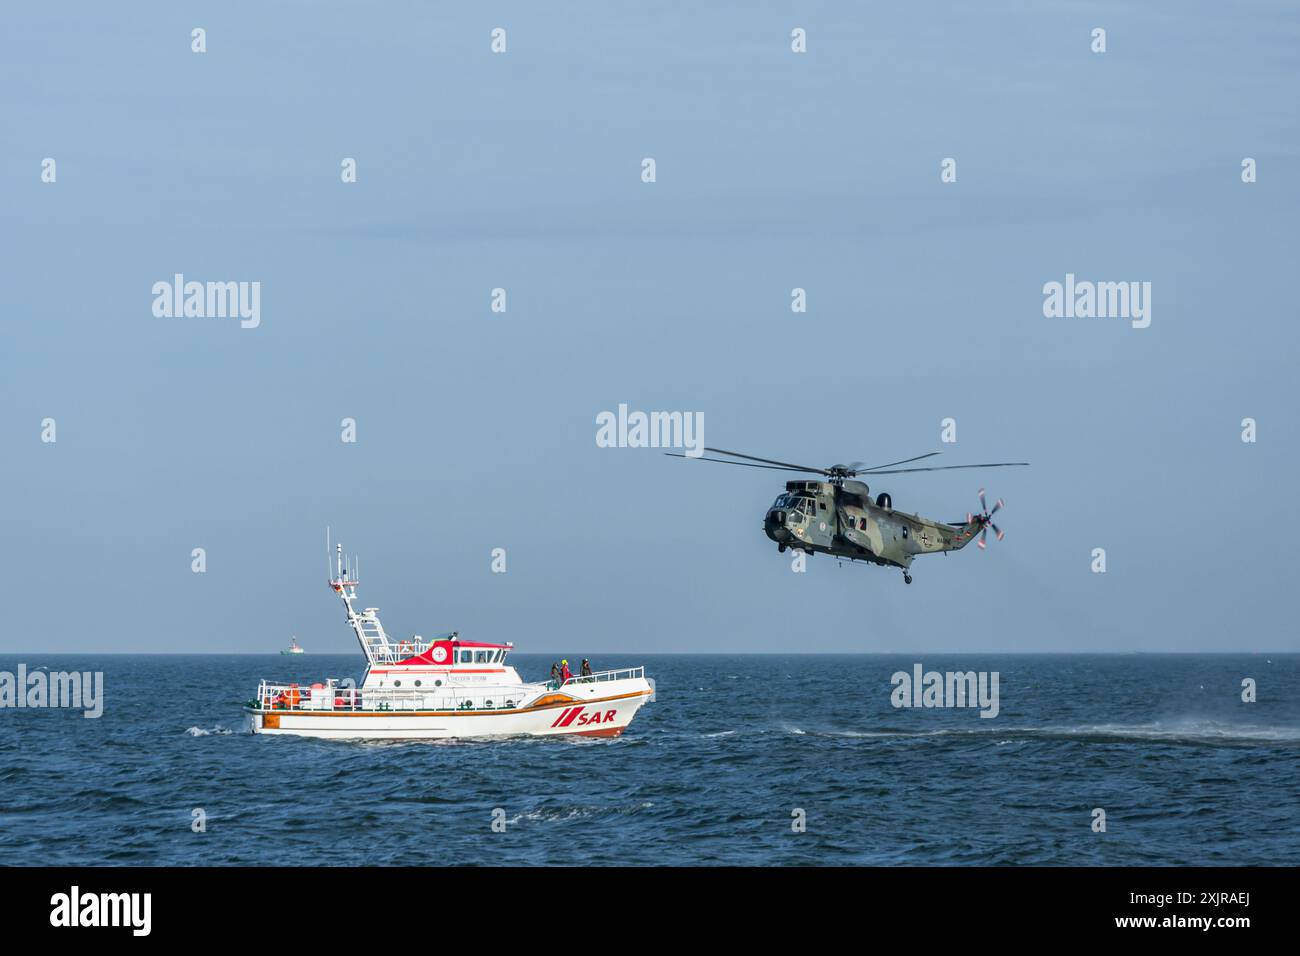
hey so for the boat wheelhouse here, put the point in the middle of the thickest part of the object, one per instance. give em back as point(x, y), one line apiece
point(442, 687)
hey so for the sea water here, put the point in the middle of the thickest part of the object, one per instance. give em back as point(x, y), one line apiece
point(751, 760)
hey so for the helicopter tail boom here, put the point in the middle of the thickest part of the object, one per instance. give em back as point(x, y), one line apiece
point(965, 533)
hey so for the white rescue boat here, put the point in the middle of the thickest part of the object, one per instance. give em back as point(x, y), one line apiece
point(443, 687)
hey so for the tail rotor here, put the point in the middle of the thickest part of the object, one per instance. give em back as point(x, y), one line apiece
point(985, 519)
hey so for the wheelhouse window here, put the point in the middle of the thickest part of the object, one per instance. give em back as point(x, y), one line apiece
point(466, 657)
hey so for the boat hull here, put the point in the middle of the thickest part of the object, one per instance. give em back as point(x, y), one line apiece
point(607, 714)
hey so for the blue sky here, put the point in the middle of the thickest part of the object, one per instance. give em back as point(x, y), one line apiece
point(775, 170)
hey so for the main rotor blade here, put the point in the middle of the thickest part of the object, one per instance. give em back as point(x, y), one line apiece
point(996, 464)
point(743, 464)
point(863, 471)
point(784, 464)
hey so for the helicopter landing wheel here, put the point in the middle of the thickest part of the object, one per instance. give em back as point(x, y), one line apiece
point(780, 549)
point(907, 578)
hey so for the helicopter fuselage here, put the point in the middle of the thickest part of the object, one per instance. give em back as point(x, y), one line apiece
point(841, 519)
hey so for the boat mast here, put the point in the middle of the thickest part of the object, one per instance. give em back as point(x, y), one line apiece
point(369, 631)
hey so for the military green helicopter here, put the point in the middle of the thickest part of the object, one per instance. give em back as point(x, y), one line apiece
point(838, 517)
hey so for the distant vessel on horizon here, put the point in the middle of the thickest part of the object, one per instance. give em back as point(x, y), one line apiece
point(293, 647)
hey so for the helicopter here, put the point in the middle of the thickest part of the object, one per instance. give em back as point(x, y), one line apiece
point(839, 518)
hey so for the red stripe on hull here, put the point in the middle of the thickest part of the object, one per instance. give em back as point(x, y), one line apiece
point(568, 718)
point(604, 732)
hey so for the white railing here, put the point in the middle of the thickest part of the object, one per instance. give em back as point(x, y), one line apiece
point(392, 652)
point(626, 673)
point(333, 696)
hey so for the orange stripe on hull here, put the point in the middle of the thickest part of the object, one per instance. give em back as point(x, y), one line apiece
point(556, 699)
point(603, 732)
